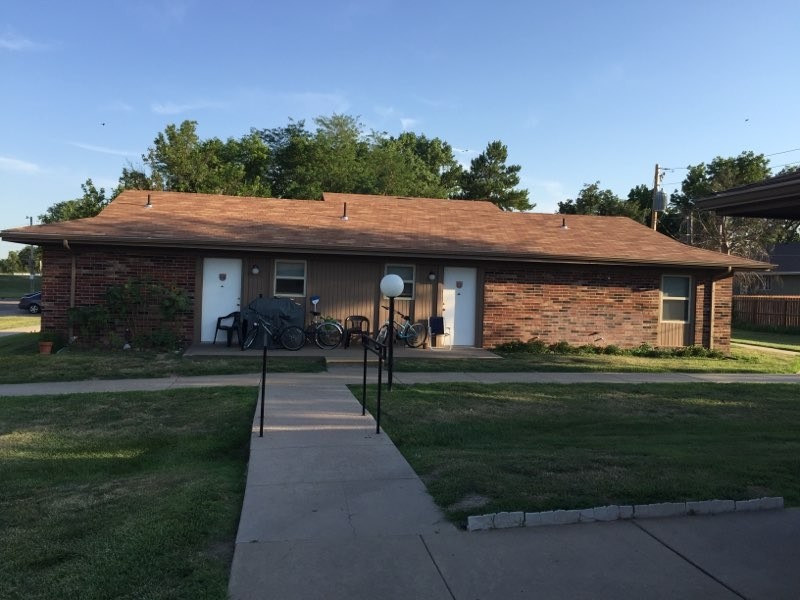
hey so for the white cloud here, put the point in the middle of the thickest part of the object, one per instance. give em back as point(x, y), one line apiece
point(102, 149)
point(174, 108)
point(10, 40)
point(14, 165)
point(407, 123)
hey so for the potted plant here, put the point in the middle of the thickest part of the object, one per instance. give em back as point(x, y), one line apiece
point(47, 340)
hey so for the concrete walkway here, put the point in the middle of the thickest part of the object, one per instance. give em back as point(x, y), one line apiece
point(333, 511)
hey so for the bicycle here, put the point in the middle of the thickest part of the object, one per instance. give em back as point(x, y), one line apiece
point(326, 334)
point(413, 335)
point(290, 337)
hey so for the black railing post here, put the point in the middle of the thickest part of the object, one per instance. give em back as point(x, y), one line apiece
point(364, 344)
point(263, 384)
point(390, 341)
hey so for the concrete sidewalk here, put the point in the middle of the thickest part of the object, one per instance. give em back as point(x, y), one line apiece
point(333, 511)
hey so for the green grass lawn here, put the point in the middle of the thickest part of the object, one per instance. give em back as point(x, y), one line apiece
point(768, 339)
point(133, 495)
point(16, 286)
point(23, 364)
point(28, 322)
point(739, 361)
point(509, 447)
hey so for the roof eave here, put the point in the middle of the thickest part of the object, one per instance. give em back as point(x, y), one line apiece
point(195, 244)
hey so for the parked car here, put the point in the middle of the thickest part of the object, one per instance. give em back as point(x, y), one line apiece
point(31, 302)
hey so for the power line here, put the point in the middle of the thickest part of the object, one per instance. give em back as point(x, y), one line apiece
point(783, 152)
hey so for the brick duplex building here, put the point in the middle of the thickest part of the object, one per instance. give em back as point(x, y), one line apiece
point(495, 276)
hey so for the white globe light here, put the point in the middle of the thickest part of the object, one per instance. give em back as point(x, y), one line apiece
point(392, 286)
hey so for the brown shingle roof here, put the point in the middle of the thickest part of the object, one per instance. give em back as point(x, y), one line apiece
point(385, 225)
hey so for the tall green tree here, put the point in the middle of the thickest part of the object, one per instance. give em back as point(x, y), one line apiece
point(88, 205)
point(592, 200)
point(179, 161)
point(489, 178)
point(743, 236)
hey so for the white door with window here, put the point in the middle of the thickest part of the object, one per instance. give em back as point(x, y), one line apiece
point(222, 293)
point(458, 304)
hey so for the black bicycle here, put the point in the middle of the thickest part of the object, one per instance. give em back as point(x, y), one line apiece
point(326, 334)
point(290, 337)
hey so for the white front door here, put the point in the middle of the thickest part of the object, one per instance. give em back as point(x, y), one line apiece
point(222, 292)
point(458, 304)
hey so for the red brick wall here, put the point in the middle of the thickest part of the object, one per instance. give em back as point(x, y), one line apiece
point(98, 269)
point(585, 304)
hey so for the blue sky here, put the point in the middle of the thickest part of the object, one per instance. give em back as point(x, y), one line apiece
point(579, 91)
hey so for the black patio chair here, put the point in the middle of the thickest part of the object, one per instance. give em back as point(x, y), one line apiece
point(234, 326)
point(355, 325)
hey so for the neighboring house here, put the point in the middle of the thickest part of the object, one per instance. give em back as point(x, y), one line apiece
point(495, 276)
point(783, 280)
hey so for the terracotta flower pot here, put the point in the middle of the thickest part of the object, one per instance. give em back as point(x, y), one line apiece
point(45, 347)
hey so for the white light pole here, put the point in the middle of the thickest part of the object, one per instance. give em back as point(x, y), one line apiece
point(391, 286)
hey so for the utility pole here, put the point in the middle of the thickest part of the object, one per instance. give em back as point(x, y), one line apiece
point(654, 219)
point(30, 258)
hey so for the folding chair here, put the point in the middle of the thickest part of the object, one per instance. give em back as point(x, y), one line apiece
point(436, 328)
point(229, 328)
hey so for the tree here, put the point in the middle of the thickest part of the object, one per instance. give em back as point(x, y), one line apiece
point(744, 236)
point(90, 204)
point(179, 161)
point(489, 178)
point(12, 263)
point(592, 200)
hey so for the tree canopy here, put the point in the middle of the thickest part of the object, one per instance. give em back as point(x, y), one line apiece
point(88, 205)
point(743, 236)
point(338, 155)
point(592, 200)
point(490, 178)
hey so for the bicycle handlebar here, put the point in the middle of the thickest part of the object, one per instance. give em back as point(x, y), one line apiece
point(405, 317)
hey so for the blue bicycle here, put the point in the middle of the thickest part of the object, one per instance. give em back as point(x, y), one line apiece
point(414, 335)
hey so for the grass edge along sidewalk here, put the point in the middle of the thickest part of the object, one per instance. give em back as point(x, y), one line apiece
point(122, 495)
point(519, 447)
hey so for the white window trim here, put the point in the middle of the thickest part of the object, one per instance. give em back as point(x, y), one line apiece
point(688, 299)
point(412, 281)
point(275, 278)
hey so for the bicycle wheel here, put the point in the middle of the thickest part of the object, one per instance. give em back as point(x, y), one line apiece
point(383, 334)
point(328, 335)
point(416, 335)
point(250, 338)
point(292, 338)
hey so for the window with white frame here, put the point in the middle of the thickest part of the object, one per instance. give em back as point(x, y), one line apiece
point(290, 278)
point(676, 298)
point(406, 273)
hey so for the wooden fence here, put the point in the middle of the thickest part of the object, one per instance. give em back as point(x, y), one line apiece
point(767, 311)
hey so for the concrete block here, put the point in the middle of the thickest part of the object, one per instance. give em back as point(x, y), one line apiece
point(547, 518)
point(566, 517)
point(504, 520)
point(606, 513)
point(773, 503)
point(626, 511)
point(710, 507)
point(533, 519)
point(748, 505)
point(480, 522)
point(663, 509)
point(587, 515)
